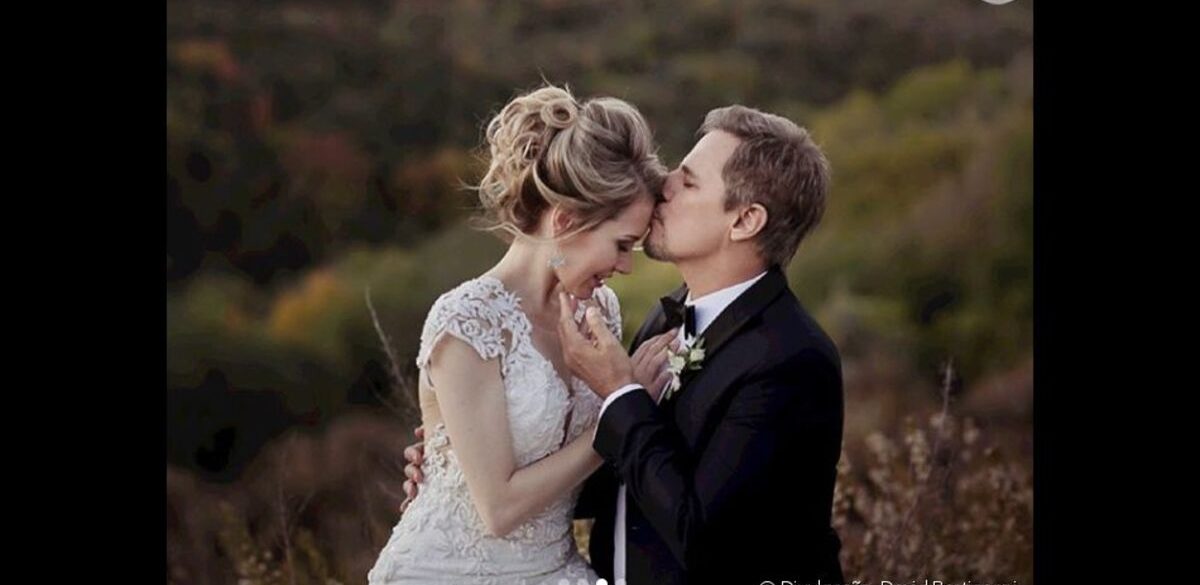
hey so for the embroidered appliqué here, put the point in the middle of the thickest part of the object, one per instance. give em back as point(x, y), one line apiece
point(441, 537)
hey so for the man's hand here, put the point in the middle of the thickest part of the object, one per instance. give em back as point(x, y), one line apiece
point(600, 362)
point(650, 362)
point(415, 454)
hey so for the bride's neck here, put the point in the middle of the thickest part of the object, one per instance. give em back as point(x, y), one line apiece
point(525, 270)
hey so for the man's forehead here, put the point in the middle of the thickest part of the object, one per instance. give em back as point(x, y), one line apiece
point(711, 152)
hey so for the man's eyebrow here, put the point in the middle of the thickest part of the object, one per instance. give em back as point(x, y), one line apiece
point(688, 171)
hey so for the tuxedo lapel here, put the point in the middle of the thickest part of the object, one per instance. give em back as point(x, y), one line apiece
point(735, 316)
point(742, 309)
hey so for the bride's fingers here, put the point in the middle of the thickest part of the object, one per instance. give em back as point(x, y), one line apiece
point(658, 344)
point(568, 332)
point(670, 336)
point(582, 325)
point(639, 354)
point(649, 356)
point(661, 345)
point(586, 329)
point(600, 333)
point(649, 346)
point(565, 315)
point(659, 359)
point(660, 383)
point(643, 371)
point(413, 473)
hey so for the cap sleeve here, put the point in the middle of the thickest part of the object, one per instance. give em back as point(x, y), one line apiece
point(472, 315)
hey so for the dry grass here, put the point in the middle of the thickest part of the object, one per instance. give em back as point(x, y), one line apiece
point(941, 501)
point(943, 497)
point(310, 510)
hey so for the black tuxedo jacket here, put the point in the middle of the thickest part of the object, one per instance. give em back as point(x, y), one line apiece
point(731, 479)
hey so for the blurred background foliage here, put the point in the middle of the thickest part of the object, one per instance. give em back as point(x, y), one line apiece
point(318, 150)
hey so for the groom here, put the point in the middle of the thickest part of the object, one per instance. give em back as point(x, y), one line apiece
point(730, 478)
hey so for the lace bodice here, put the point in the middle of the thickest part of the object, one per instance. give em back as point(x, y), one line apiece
point(441, 536)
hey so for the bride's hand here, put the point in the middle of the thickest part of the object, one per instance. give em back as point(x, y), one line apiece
point(650, 362)
point(573, 306)
point(414, 454)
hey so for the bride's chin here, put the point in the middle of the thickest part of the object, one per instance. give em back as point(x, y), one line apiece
point(584, 292)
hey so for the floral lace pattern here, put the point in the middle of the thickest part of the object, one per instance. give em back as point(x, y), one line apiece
point(441, 538)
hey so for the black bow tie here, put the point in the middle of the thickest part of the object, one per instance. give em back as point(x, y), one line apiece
point(679, 314)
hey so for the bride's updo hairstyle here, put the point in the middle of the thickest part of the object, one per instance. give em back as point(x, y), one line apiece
point(545, 149)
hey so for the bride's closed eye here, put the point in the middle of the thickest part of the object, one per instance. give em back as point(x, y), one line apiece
point(628, 243)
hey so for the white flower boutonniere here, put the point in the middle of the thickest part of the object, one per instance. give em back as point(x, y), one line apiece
point(688, 358)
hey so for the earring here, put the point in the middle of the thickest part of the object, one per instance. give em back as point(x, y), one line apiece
point(557, 260)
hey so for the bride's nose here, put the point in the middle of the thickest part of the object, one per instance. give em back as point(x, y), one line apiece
point(669, 186)
point(624, 264)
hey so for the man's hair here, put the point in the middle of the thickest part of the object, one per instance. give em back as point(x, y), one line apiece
point(778, 166)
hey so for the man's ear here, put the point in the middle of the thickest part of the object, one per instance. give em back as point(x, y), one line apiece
point(561, 221)
point(749, 222)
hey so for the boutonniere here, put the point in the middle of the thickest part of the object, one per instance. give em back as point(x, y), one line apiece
point(688, 358)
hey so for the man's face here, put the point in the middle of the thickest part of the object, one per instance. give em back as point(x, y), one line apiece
point(691, 222)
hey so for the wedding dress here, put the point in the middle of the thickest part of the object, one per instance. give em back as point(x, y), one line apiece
point(441, 537)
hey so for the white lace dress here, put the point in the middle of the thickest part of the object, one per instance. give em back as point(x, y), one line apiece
point(441, 537)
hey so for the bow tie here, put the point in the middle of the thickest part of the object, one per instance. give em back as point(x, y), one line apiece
point(679, 314)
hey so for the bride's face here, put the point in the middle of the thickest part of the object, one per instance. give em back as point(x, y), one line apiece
point(593, 256)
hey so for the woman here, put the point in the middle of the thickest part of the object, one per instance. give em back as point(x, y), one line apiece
point(508, 441)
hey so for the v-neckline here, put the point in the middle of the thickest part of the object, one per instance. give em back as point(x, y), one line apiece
point(568, 388)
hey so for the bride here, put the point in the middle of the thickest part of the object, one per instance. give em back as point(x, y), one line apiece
point(572, 187)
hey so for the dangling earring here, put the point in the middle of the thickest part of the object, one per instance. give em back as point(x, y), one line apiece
point(557, 259)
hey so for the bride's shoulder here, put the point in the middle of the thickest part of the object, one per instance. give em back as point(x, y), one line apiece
point(481, 292)
point(478, 311)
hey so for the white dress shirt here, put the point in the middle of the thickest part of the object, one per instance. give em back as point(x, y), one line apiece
point(707, 308)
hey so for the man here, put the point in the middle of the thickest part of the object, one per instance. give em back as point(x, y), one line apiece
point(730, 478)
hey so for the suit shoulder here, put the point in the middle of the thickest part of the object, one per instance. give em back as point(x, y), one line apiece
point(789, 319)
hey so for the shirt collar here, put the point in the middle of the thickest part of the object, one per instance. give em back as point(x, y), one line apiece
point(709, 306)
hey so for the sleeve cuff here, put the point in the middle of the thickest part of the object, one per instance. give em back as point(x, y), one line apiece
point(614, 433)
point(619, 393)
point(623, 390)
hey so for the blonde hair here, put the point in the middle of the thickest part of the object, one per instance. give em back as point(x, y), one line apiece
point(546, 149)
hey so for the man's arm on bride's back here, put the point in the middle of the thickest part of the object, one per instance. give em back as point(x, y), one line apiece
point(471, 397)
